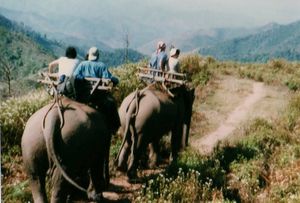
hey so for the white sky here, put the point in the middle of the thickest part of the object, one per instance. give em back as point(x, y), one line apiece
point(205, 13)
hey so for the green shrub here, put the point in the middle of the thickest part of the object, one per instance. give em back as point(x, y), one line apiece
point(17, 193)
point(193, 178)
point(197, 68)
point(129, 82)
point(293, 114)
point(248, 178)
point(184, 187)
point(14, 115)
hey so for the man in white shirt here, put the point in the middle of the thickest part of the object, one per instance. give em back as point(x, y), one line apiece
point(66, 64)
point(173, 62)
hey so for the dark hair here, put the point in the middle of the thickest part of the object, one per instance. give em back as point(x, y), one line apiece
point(177, 52)
point(71, 52)
point(86, 57)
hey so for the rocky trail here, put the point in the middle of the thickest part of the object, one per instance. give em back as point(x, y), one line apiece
point(229, 104)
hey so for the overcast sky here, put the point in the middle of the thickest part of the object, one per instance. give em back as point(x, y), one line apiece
point(203, 13)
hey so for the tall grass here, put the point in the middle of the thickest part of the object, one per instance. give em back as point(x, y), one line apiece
point(14, 114)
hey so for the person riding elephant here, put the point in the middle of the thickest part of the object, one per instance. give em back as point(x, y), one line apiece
point(101, 100)
point(146, 116)
point(66, 66)
point(70, 140)
point(159, 58)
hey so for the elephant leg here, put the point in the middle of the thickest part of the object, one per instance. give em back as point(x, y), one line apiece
point(36, 169)
point(37, 185)
point(153, 156)
point(97, 180)
point(185, 136)
point(137, 148)
point(176, 142)
point(60, 187)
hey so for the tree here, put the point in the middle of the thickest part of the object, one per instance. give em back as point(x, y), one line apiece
point(6, 71)
point(8, 64)
point(126, 45)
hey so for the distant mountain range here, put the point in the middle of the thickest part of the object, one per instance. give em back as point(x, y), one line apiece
point(193, 41)
point(271, 41)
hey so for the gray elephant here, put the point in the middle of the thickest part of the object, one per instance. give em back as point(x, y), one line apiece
point(73, 144)
point(145, 117)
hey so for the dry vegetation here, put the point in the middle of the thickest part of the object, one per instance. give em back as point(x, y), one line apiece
point(261, 166)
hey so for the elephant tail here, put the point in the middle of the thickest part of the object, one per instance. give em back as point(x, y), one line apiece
point(50, 132)
point(131, 113)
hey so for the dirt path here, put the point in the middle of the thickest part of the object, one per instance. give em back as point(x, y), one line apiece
point(234, 119)
point(251, 100)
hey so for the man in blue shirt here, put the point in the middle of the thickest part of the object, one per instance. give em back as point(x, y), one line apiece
point(159, 58)
point(93, 68)
point(101, 100)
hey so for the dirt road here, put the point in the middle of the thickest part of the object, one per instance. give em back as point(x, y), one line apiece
point(251, 100)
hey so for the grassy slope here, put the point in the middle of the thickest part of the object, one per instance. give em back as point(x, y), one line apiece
point(262, 166)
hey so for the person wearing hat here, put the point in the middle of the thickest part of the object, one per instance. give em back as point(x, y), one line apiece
point(173, 62)
point(159, 58)
point(93, 68)
point(101, 100)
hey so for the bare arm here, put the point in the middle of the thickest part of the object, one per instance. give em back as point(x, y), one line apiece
point(52, 65)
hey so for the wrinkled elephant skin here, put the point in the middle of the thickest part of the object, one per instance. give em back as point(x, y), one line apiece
point(81, 147)
point(146, 116)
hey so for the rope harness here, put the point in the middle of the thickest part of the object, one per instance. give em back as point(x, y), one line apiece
point(58, 104)
point(136, 99)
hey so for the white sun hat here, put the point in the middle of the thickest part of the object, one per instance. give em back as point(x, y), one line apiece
point(173, 52)
point(93, 53)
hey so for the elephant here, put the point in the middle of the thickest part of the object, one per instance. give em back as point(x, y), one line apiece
point(69, 139)
point(146, 116)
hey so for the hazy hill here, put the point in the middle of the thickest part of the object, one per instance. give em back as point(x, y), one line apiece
point(26, 49)
point(44, 25)
point(22, 55)
point(26, 52)
point(274, 41)
point(85, 31)
point(107, 31)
